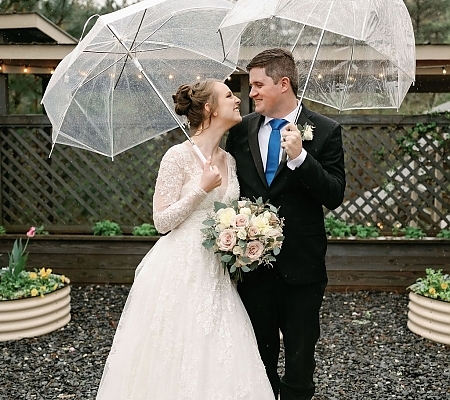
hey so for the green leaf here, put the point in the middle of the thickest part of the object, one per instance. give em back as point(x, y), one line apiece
point(209, 222)
point(245, 268)
point(226, 258)
point(276, 250)
point(253, 265)
point(208, 243)
point(218, 205)
point(259, 201)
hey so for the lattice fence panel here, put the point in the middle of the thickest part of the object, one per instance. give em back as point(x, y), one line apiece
point(390, 189)
point(74, 186)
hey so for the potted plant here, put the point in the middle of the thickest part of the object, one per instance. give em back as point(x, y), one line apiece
point(32, 303)
point(429, 306)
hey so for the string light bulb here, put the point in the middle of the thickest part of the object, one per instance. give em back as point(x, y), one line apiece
point(444, 71)
point(25, 69)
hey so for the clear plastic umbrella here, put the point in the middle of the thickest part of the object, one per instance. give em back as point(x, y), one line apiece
point(351, 54)
point(114, 90)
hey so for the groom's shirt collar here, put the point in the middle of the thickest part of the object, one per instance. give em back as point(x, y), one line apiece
point(290, 117)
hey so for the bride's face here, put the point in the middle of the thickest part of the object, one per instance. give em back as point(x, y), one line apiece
point(227, 105)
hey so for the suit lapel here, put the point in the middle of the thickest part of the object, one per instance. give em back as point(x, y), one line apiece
point(253, 129)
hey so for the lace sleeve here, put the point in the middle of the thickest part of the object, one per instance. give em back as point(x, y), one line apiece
point(169, 208)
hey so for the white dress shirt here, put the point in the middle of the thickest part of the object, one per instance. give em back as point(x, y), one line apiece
point(264, 136)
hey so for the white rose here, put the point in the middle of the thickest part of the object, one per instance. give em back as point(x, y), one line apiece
point(267, 215)
point(241, 234)
point(220, 227)
point(225, 216)
point(238, 250)
point(246, 211)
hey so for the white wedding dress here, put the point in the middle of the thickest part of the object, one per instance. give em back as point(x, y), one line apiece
point(184, 332)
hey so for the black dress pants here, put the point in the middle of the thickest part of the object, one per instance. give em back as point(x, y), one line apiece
point(274, 305)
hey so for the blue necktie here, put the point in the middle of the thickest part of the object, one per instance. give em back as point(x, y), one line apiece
point(273, 151)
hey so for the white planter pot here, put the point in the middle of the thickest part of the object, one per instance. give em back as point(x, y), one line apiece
point(429, 318)
point(34, 316)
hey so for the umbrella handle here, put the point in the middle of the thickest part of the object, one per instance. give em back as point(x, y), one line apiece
point(198, 152)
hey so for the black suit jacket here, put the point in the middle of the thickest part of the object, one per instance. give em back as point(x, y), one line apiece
point(300, 193)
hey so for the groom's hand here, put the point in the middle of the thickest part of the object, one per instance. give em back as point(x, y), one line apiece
point(291, 141)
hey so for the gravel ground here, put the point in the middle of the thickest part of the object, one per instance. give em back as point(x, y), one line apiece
point(365, 352)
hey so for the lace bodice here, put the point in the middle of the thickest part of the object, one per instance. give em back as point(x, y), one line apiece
point(177, 191)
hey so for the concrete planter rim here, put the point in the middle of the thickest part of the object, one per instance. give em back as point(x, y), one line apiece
point(429, 318)
point(34, 316)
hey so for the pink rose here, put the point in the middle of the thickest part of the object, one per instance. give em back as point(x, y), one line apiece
point(274, 219)
point(254, 250)
point(226, 240)
point(31, 232)
point(240, 221)
point(253, 231)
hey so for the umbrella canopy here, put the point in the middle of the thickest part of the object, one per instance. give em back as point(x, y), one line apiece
point(351, 54)
point(114, 91)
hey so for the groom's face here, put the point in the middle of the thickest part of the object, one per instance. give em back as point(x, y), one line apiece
point(265, 93)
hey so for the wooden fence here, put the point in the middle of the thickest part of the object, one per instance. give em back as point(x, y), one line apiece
point(396, 176)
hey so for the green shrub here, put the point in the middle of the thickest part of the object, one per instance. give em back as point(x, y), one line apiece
point(145, 230)
point(444, 234)
point(106, 228)
point(2, 230)
point(365, 231)
point(412, 232)
point(337, 228)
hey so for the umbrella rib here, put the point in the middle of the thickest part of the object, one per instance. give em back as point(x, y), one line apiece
point(100, 72)
point(134, 39)
point(151, 34)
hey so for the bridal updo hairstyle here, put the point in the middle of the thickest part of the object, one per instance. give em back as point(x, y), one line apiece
point(190, 101)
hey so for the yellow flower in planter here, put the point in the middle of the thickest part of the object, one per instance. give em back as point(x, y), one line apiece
point(45, 273)
point(432, 290)
point(444, 285)
point(34, 292)
point(32, 275)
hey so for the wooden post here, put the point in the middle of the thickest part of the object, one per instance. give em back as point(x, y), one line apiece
point(4, 94)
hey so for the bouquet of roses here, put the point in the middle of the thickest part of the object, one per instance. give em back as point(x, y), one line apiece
point(245, 234)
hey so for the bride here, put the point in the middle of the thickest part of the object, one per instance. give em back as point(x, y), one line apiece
point(184, 332)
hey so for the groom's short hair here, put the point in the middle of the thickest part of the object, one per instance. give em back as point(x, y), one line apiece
point(277, 64)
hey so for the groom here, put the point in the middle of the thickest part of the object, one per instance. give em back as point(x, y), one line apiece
point(288, 297)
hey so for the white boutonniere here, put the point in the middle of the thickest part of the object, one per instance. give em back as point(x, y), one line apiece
point(306, 131)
